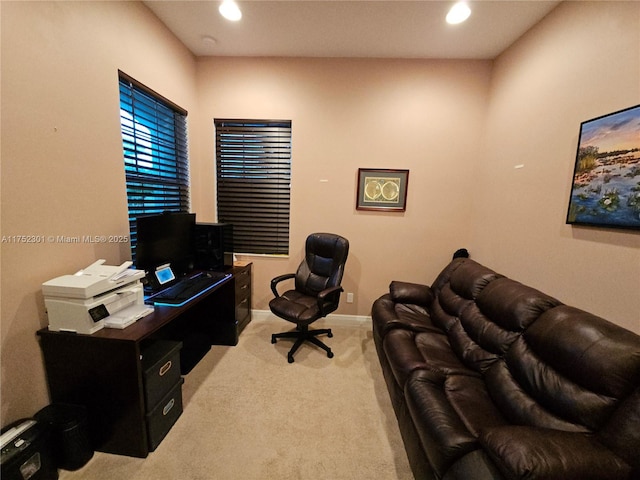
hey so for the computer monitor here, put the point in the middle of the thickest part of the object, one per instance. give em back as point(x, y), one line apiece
point(166, 238)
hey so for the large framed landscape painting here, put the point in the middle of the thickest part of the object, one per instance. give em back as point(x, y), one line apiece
point(606, 177)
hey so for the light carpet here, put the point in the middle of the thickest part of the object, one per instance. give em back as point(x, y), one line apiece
point(248, 414)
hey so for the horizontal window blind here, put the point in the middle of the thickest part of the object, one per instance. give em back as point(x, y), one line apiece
point(156, 164)
point(253, 173)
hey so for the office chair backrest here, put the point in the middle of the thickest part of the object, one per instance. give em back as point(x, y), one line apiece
point(323, 266)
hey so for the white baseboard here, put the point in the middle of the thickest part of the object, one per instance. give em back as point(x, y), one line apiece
point(261, 315)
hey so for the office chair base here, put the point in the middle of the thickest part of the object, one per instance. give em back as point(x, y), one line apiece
point(303, 334)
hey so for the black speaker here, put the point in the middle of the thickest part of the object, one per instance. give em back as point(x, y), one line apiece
point(213, 246)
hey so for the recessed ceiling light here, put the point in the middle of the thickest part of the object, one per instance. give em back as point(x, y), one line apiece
point(230, 10)
point(458, 13)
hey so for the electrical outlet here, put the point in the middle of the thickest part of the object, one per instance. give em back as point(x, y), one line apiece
point(350, 297)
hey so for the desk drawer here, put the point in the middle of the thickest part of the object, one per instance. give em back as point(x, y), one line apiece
point(243, 292)
point(243, 282)
point(160, 370)
point(161, 419)
point(242, 310)
point(242, 278)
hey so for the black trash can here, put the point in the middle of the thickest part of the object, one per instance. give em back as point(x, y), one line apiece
point(69, 433)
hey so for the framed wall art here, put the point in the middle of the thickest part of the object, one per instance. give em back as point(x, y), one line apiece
point(605, 190)
point(382, 189)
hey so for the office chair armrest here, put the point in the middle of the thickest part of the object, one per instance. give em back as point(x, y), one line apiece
point(322, 297)
point(279, 279)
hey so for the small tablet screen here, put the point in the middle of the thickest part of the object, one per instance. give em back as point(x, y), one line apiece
point(98, 313)
point(164, 274)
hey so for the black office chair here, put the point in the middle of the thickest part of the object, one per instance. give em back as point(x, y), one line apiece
point(317, 290)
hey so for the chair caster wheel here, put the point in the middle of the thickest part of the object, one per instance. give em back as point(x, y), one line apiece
point(330, 354)
point(273, 339)
point(290, 358)
point(329, 334)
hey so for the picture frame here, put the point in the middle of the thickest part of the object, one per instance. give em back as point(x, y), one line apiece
point(382, 189)
point(605, 189)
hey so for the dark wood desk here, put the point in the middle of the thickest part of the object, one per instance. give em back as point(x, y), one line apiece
point(103, 371)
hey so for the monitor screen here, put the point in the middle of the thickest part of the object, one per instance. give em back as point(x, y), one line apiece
point(166, 238)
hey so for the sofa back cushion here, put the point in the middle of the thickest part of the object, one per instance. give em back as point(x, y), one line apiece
point(483, 312)
point(456, 288)
point(559, 372)
point(501, 312)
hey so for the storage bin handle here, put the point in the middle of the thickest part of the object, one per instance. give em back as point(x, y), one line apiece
point(165, 368)
point(167, 408)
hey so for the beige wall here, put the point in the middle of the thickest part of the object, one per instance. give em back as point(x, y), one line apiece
point(62, 169)
point(581, 62)
point(425, 116)
point(62, 160)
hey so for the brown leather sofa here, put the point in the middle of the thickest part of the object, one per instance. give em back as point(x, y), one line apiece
point(491, 379)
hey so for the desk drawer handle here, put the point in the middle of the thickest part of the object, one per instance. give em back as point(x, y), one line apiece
point(167, 408)
point(165, 368)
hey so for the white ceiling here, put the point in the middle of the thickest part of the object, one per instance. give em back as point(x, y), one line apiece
point(360, 28)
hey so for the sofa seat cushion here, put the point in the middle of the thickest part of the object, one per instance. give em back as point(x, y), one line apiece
point(621, 432)
point(476, 465)
point(531, 453)
point(449, 412)
point(408, 351)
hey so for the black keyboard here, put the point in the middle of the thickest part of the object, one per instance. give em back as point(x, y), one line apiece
point(188, 288)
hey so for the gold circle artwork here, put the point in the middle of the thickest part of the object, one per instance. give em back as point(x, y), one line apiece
point(381, 189)
point(390, 191)
point(372, 189)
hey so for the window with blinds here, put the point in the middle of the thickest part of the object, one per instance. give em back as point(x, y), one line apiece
point(253, 173)
point(156, 164)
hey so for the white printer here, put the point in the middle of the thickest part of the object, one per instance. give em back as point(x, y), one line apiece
point(95, 297)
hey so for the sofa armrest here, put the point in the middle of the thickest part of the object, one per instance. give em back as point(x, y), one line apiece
point(413, 293)
point(388, 315)
point(530, 453)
